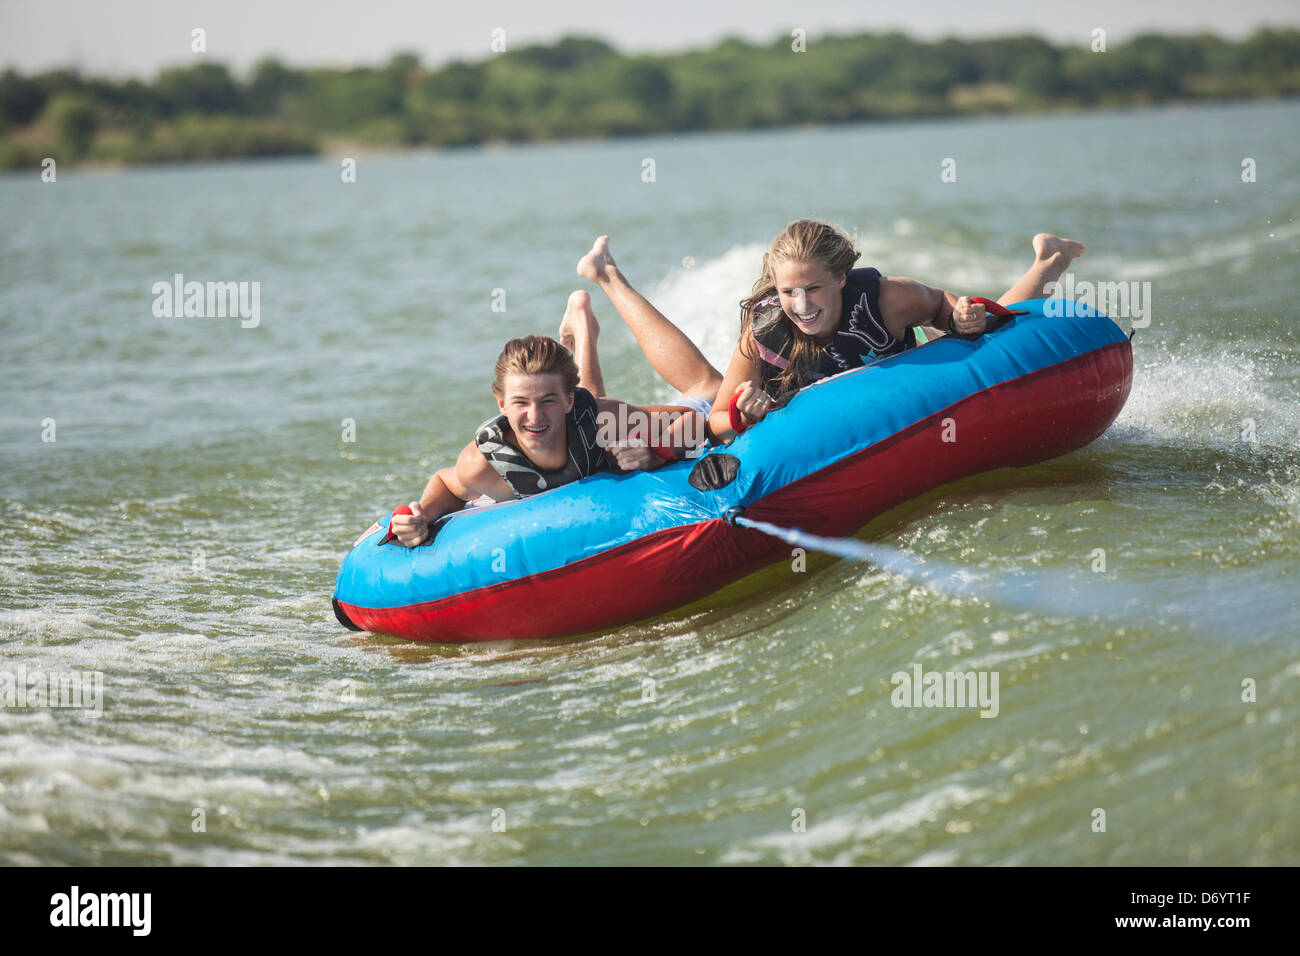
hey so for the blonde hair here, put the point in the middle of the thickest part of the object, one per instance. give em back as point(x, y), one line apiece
point(534, 355)
point(805, 240)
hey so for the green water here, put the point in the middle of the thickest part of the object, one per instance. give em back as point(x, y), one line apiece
point(181, 533)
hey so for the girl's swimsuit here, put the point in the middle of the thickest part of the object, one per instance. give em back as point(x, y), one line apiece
point(697, 403)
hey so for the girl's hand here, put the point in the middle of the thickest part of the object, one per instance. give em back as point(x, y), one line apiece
point(969, 318)
point(753, 403)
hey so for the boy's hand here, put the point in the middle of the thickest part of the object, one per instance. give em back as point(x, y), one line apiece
point(634, 456)
point(410, 529)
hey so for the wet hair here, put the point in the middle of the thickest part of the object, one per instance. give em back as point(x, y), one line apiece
point(534, 355)
point(805, 240)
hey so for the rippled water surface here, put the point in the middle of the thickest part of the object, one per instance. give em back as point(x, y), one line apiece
point(181, 532)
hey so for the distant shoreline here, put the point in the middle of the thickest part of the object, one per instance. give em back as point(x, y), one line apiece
point(341, 149)
point(581, 89)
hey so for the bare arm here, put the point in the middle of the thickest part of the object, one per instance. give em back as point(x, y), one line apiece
point(660, 425)
point(447, 491)
point(905, 302)
point(743, 370)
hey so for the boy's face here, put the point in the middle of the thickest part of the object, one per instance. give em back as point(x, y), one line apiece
point(535, 406)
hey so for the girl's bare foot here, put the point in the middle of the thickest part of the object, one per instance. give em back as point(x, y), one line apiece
point(1048, 246)
point(598, 265)
point(1052, 257)
point(579, 321)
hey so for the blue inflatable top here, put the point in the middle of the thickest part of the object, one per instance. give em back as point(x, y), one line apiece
point(823, 423)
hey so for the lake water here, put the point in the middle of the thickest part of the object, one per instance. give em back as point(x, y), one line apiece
point(177, 494)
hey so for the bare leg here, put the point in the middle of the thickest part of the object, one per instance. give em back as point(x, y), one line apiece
point(670, 352)
point(1052, 256)
point(578, 332)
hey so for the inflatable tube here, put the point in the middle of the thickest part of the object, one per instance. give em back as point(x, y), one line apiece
point(615, 548)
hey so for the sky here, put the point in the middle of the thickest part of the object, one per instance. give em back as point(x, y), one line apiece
point(122, 38)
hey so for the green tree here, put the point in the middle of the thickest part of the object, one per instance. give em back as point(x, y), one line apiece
point(207, 88)
point(644, 82)
point(1271, 51)
point(74, 120)
point(569, 54)
point(21, 99)
point(268, 86)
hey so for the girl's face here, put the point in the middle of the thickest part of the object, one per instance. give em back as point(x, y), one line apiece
point(810, 296)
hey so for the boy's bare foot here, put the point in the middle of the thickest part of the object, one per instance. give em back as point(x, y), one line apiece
point(598, 265)
point(1048, 246)
point(579, 321)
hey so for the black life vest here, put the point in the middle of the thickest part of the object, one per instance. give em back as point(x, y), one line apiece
point(585, 456)
point(860, 338)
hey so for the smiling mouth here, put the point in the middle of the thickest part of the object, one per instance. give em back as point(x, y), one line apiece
point(540, 430)
point(808, 319)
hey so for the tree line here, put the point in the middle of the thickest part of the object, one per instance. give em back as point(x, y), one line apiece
point(581, 87)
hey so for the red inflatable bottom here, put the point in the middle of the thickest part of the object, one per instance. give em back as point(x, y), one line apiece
point(1028, 420)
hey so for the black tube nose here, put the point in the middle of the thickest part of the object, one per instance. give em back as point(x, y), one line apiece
point(342, 617)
